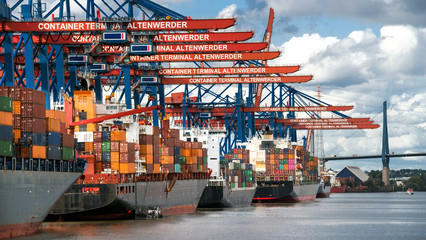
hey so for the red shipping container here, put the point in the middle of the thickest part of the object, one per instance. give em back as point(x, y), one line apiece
point(63, 128)
point(97, 136)
point(155, 131)
point(4, 91)
point(97, 147)
point(123, 147)
point(33, 125)
point(15, 93)
point(131, 147)
point(124, 157)
point(115, 146)
point(67, 140)
point(98, 157)
point(16, 121)
point(33, 96)
point(131, 158)
point(33, 110)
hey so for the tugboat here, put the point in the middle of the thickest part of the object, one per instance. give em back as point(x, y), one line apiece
point(409, 191)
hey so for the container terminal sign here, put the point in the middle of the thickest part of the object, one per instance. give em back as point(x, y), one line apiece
point(83, 26)
point(230, 71)
point(205, 57)
point(232, 80)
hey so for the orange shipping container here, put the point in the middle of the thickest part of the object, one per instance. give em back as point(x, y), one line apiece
point(157, 168)
point(115, 166)
point(285, 166)
point(16, 134)
point(149, 159)
point(6, 118)
point(127, 167)
point(39, 152)
point(186, 152)
point(53, 125)
point(115, 156)
point(119, 136)
point(16, 106)
point(88, 146)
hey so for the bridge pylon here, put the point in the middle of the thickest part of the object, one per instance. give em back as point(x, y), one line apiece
point(385, 147)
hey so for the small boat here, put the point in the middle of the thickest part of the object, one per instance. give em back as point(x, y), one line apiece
point(409, 191)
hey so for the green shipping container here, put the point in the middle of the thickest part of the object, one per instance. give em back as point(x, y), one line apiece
point(6, 148)
point(205, 161)
point(232, 185)
point(182, 160)
point(243, 184)
point(277, 150)
point(106, 147)
point(67, 153)
point(237, 166)
point(6, 104)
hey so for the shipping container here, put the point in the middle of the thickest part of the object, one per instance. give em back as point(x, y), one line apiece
point(68, 153)
point(29, 124)
point(33, 138)
point(6, 133)
point(6, 104)
point(33, 110)
point(6, 148)
point(6, 118)
point(54, 152)
point(33, 96)
point(54, 138)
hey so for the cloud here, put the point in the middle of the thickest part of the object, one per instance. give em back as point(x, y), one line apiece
point(386, 12)
point(364, 69)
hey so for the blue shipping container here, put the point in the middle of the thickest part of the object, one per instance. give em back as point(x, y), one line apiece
point(54, 152)
point(106, 136)
point(106, 157)
point(33, 138)
point(6, 133)
point(80, 147)
point(54, 138)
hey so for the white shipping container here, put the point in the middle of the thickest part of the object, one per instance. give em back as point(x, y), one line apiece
point(84, 136)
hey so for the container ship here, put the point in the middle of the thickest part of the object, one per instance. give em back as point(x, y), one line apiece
point(285, 172)
point(232, 179)
point(37, 162)
point(134, 169)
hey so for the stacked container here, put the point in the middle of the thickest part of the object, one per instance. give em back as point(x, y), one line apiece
point(174, 155)
point(108, 151)
point(37, 133)
point(239, 172)
point(6, 122)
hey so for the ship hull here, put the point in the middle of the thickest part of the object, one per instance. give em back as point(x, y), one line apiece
point(285, 192)
point(224, 197)
point(170, 198)
point(337, 190)
point(323, 191)
point(26, 198)
point(125, 200)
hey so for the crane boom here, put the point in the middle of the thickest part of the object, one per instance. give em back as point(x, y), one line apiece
point(267, 40)
point(115, 115)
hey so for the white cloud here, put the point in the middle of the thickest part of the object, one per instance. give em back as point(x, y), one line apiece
point(364, 70)
point(228, 12)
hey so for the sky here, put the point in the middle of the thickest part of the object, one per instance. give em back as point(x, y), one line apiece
point(360, 53)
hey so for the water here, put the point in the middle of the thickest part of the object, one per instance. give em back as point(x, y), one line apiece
point(342, 216)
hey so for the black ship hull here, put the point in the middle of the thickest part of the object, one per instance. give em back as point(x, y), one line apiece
point(225, 197)
point(128, 200)
point(284, 192)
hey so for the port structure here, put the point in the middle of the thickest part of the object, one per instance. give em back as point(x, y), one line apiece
point(111, 48)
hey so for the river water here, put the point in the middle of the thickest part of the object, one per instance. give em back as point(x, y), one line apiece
point(342, 216)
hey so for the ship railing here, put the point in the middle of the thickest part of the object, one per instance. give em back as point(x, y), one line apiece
point(43, 165)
